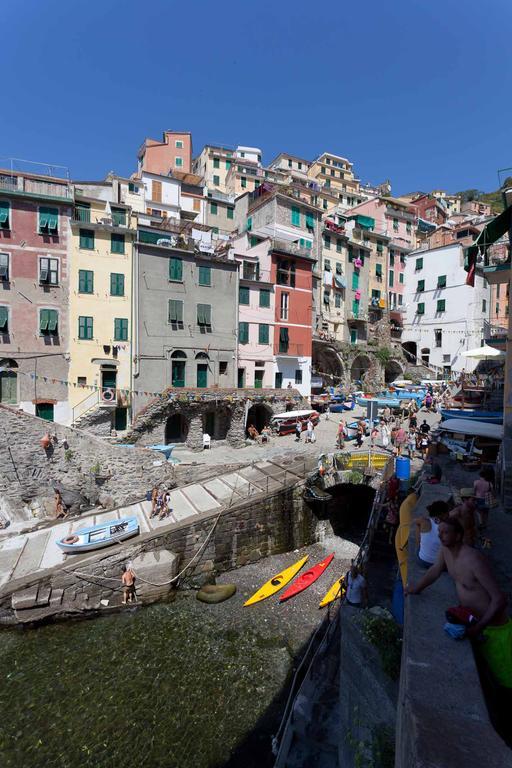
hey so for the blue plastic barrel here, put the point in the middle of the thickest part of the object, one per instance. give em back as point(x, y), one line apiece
point(403, 468)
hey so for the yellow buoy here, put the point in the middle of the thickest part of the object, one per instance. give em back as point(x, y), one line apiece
point(276, 582)
point(337, 590)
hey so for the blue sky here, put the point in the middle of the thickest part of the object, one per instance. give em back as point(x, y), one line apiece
point(414, 91)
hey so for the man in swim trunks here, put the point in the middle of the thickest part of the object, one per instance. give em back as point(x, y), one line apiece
point(128, 582)
point(477, 590)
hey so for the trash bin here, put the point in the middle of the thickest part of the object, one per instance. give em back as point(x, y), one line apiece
point(403, 468)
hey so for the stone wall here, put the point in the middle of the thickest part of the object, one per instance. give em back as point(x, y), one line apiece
point(88, 466)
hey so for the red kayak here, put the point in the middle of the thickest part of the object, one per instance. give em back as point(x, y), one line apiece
point(308, 577)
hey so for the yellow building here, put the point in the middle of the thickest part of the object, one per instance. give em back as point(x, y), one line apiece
point(102, 237)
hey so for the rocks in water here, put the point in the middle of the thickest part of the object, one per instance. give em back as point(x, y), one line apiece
point(216, 593)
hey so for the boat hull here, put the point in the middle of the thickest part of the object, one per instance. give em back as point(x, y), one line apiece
point(488, 417)
point(276, 583)
point(309, 577)
point(337, 590)
point(99, 536)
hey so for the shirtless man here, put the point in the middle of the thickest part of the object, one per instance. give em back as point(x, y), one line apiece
point(465, 513)
point(477, 590)
point(128, 582)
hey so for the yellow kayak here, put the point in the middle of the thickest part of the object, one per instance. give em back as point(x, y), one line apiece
point(337, 590)
point(402, 534)
point(277, 582)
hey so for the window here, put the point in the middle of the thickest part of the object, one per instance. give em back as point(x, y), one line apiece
point(230, 212)
point(5, 214)
point(295, 216)
point(484, 305)
point(216, 162)
point(339, 268)
point(228, 165)
point(401, 277)
point(175, 270)
point(327, 296)
point(355, 308)
point(441, 281)
point(4, 320)
point(48, 322)
point(438, 336)
point(118, 217)
point(243, 333)
point(81, 381)
point(327, 265)
point(48, 221)
point(263, 334)
point(324, 204)
point(380, 247)
point(402, 259)
point(391, 258)
point(204, 317)
point(337, 299)
point(116, 243)
point(395, 225)
point(421, 286)
point(243, 182)
point(378, 270)
point(176, 314)
point(284, 306)
point(420, 309)
point(264, 298)
point(4, 267)
point(286, 273)
point(339, 245)
point(213, 209)
point(116, 284)
point(85, 281)
point(133, 188)
point(48, 271)
point(278, 380)
point(355, 281)
point(298, 376)
point(441, 305)
point(400, 299)
point(120, 329)
point(85, 327)
point(408, 227)
point(375, 294)
point(283, 340)
point(87, 239)
point(327, 242)
point(223, 368)
point(249, 224)
point(391, 278)
point(418, 265)
point(310, 222)
point(205, 276)
point(243, 295)
point(251, 270)
point(216, 181)
point(179, 162)
point(178, 144)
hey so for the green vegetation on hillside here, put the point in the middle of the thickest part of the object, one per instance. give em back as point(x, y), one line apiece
point(494, 198)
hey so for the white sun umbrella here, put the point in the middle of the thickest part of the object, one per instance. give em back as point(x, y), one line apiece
point(484, 353)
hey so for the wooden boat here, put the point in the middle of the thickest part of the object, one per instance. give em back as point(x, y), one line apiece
point(382, 402)
point(337, 590)
point(489, 417)
point(277, 582)
point(99, 536)
point(472, 428)
point(473, 396)
point(306, 579)
point(284, 423)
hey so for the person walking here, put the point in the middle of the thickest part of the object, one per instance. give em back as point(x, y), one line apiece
point(357, 593)
point(385, 434)
point(341, 434)
point(309, 431)
point(298, 430)
point(128, 582)
point(373, 436)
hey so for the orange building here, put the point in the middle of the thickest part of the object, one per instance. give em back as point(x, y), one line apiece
point(173, 153)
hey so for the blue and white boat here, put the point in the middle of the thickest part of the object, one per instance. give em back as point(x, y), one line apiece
point(487, 417)
point(339, 404)
point(382, 402)
point(99, 536)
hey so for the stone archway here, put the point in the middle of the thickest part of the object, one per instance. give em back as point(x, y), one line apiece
point(176, 428)
point(259, 416)
point(216, 423)
point(392, 371)
point(328, 365)
point(360, 366)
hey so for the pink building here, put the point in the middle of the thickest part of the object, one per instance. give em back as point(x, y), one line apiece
point(35, 212)
point(173, 153)
point(255, 313)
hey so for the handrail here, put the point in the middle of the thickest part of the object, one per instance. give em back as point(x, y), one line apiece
point(85, 405)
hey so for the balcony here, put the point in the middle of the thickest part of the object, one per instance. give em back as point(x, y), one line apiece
point(354, 317)
point(95, 219)
point(18, 184)
point(496, 332)
point(293, 249)
point(292, 350)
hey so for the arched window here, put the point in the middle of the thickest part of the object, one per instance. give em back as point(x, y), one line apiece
point(179, 355)
point(202, 356)
point(8, 381)
point(178, 368)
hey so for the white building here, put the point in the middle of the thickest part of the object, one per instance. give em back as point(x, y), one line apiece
point(443, 316)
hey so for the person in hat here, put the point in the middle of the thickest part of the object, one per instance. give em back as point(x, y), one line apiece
point(465, 513)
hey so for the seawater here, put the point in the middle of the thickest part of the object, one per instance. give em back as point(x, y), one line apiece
point(162, 686)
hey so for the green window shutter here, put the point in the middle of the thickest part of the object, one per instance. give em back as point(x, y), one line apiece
point(5, 208)
point(118, 217)
point(327, 242)
point(421, 286)
point(243, 333)
point(216, 163)
point(421, 309)
point(380, 247)
point(116, 284)
point(243, 182)
point(355, 281)
point(116, 243)
point(249, 223)
point(355, 308)
point(175, 269)
point(339, 245)
point(395, 225)
point(175, 311)
point(243, 295)
point(264, 298)
point(310, 221)
point(205, 276)
point(120, 329)
point(378, 270)
point(441, 281)
point(230, 212)
point(295, 216)
point(419, 264)
point(53, 320)
point(441, 305)
point(48, 220)
point(43, 320)
point(87, 239)
point(391, 278)
point(391, 258)
point(4, 316)
point(263, 334)
point(216, 181)
point(213, 209)
point(85, 281)
point(228, 165)
point(401, 277)
point(204, 314)
point(85, 327)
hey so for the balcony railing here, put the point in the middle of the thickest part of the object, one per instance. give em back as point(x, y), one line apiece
point(496, 329)
point(17, 184)
point(294, 249)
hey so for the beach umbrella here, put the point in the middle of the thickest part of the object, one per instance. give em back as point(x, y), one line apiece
point(484, 353)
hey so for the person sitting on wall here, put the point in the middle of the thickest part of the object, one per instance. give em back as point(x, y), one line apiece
point(357, 593)
point(252, 432)
point(265, 434)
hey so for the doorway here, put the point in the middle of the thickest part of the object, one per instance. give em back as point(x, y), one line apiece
point(120, 419)
point(202, 375)
point(176, 429)
point(178, 361)
point(8, 383)
point(45, 411)
point(258, 379)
